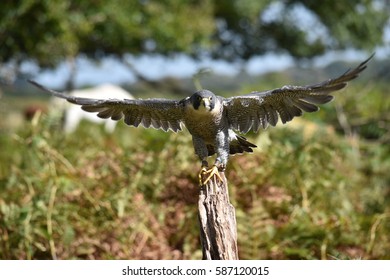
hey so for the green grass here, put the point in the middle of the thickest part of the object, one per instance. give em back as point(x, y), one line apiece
point(303, 194)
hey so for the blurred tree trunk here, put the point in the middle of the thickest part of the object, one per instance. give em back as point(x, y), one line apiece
point(217, 218)
point(72, 75)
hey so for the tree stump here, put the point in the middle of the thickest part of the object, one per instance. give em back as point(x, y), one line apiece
point(217, 220)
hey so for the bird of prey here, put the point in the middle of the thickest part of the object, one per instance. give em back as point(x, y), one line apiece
point(213, 120)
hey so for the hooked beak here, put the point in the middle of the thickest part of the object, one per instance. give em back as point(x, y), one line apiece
point(206, 103)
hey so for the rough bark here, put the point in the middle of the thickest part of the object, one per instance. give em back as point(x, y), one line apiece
point(217, 219)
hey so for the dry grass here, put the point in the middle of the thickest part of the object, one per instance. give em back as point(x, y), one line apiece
point(133, 195)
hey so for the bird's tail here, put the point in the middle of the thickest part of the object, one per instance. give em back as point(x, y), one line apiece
point(241, 145)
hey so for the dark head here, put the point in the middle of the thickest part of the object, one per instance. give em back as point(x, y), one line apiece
point(203, 99)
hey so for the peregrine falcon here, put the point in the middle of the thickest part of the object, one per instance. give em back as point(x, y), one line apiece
point(212, 120)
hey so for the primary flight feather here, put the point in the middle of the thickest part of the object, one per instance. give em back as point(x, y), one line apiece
point(212, 120)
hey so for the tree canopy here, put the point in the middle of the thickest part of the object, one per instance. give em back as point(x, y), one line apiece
point(303, 28)
point(50, 31)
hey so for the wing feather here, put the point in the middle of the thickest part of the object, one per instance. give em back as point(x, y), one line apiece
point(157, 113)
point(260, 109)
point(146, 120)
point(305, 106)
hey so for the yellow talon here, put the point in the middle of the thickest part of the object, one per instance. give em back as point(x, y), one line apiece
point(210, 173)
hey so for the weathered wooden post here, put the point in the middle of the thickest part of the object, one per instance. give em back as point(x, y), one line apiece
point(217, 220)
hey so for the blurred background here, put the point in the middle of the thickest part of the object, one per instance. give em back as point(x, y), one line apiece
point(71, 188)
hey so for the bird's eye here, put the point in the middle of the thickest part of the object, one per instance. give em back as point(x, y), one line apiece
point(199, 98)
point(210, 98)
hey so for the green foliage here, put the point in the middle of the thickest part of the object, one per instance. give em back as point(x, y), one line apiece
point(313, 203)
point(307, 192)
point(355, 20)
point(249, 28)
point(64, 29)
point(50, 31)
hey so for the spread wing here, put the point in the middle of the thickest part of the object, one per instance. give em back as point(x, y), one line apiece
point(260, 109)
point(157, 113)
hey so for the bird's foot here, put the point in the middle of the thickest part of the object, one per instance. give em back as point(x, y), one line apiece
point(213, 171)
